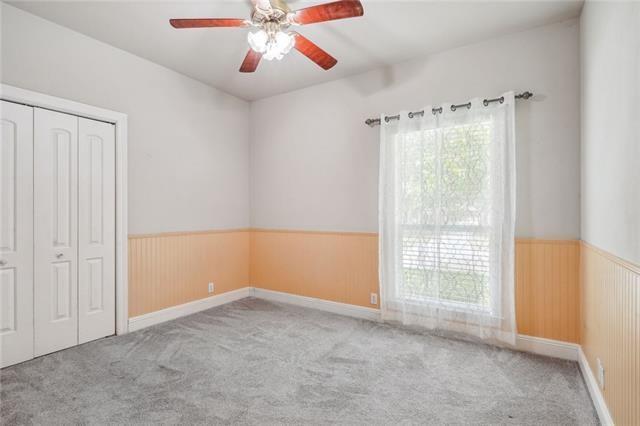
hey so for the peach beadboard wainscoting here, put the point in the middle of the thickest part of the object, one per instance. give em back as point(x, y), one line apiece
point(548, 288)
point(343, 267)
point(611, 329)
point(336, 266)
point(170, 269)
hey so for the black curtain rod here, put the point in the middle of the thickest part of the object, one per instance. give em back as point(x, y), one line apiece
point(376, 121)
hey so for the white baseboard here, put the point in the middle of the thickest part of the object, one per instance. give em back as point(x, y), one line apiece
point(548, 347)
point(320, 304)
point(146, 320)
point(594, 390)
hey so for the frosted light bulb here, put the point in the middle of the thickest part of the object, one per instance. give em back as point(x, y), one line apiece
point(258, 40)
point(272, 46)
point(284, 42)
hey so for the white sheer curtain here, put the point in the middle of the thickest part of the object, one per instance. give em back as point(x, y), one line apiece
point(447, 219)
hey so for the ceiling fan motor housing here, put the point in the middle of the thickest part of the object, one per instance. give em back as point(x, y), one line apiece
point(275, 16)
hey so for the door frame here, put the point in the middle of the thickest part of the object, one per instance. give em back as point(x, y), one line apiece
point(40, 100)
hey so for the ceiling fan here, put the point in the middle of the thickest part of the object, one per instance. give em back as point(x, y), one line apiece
point(272, 19)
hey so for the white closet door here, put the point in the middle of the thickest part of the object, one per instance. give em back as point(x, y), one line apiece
point(96, 230)
point(55, 230)
point(16, 234)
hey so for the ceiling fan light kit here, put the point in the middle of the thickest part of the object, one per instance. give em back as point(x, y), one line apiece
point(272, 43)
point(272, 18)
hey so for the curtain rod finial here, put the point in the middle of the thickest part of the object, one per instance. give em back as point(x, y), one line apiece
point(525, 95)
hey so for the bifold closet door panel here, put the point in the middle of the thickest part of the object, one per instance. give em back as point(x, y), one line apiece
point(16, 234)
point(55, 231)
point(96, 230)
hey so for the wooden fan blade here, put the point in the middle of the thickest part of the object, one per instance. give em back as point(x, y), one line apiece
point(313, 52)
point(207, 22)
point(251, 61)
point(328, 12)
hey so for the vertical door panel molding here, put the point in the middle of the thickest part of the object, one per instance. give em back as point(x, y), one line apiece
point(55, 230)
point(96, 230)
point(62, 164)
point(96, 158)
point(8, 168)
point(8, 297)
point(16, 234)
point(61, 291)
point(95, 286)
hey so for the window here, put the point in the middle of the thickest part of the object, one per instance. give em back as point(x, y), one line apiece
point(447, 219)
point(446, 208)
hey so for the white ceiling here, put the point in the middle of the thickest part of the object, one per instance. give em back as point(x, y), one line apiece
point(389, 32)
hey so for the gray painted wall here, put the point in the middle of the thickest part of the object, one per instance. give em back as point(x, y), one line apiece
point(188, 143)
point(314, 163)
point(610, 63)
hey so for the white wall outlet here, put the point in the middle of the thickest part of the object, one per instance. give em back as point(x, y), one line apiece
point(374, 299)
point(211, 287)
point(600, 373)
